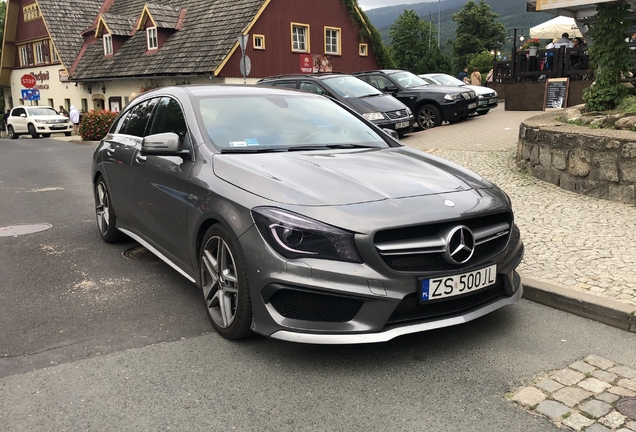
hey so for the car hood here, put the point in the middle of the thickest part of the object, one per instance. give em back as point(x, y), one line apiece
point(381, 103)
point(51, 117)
point(340, 177)
point(480, 90)
point(441, 89)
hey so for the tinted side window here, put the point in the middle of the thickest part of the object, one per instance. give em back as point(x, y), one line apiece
point(311, 87)
point(288, 84)
point(17, 112)
point(137, 118)
point(168, 117)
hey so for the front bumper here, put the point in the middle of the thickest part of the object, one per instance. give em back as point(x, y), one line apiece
point(401, 125)
point(487, 104)
point(53, 128)
point(332, 302)
point(459, 109)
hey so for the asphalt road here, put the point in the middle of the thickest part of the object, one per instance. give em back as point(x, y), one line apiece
point(91, 340)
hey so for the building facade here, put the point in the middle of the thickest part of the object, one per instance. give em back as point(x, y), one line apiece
point(97, 54)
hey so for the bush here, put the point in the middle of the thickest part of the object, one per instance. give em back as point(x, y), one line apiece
point(95, 124)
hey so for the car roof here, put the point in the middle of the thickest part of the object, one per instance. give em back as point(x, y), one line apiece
point(318, 76)
point(201, 90)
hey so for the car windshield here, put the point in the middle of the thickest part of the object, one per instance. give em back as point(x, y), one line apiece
point(279, 122)
point(448, 80)
point(351, 87)
point(408, 80)
point(41, 111)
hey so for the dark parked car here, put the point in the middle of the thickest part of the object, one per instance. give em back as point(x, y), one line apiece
point(300, 220)
point(487, 98)
point(375, 106)
point(431, 104)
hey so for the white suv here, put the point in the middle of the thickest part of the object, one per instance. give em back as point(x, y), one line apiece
point(37, 120)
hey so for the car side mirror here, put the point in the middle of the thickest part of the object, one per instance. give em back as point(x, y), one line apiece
point(23, 115)
point(393, 134)
point(163, 144)
point(391, 89)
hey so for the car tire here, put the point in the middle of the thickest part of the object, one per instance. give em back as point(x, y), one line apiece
point(47, 135)
point(106, 219)
point(484, 112)
point(32, 131)
point(11, 132)
point(224, 283)
point(428, 117)
point(67, 133)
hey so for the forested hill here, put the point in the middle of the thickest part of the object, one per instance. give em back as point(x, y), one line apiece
point(513, 14)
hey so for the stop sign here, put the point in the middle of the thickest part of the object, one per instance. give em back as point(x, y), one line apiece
point(28, 81)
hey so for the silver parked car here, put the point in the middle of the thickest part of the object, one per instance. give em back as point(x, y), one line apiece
point(300, 220)
point(487, 98)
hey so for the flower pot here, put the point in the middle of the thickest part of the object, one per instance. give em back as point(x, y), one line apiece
point(533, 51)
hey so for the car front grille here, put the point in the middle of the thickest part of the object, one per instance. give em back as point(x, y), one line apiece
point(312, 306)
point(396, 114)
point(406, 257)
point(410, 309)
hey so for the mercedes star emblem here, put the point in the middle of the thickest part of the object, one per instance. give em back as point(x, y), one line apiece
point(460, 245)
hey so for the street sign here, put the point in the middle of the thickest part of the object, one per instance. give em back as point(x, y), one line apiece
point(242, 40)
point(245, 66)
point(30, 94)
point(28, 81)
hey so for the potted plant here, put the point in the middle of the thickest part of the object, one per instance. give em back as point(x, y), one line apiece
point(532, 45)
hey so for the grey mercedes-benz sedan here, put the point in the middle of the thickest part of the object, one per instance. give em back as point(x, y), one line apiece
point(302, 221)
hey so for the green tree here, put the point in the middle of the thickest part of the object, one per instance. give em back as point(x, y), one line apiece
point(413, 46)
point(609, 55)
point(478, 30)
point(3, 14)
point(483, 62)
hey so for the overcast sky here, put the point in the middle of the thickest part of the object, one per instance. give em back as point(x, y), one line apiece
point(372, 4)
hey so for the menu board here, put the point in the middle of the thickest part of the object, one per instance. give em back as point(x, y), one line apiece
point(556, 93)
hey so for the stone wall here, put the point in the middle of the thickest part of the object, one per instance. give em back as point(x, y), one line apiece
point(597, 163)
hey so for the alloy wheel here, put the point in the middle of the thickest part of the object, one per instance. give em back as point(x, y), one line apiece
point(220, 282)
point(427, 118)
point(102, 209)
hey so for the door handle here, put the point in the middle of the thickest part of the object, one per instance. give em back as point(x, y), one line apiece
point(110, 151)
point(140, 158)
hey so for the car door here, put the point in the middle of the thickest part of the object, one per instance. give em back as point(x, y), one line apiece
point(120, 147)
point(160, 186)
point(17, 121)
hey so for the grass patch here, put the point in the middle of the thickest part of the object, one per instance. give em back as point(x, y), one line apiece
point(588, 415)
point(566, 415)
point(628, 105)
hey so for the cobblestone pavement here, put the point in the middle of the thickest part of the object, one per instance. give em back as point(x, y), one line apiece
point(587, 395)
point(578, 242)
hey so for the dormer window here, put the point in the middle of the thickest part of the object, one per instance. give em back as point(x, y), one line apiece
point(108, 44)
point(151, 35)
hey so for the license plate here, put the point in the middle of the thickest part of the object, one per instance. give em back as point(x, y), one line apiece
point(494, 100)
point(57, 127)
point(402, 125)
point(449, 286)
point(472, 105)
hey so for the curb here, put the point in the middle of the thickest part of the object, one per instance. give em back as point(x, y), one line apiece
point(603, 310)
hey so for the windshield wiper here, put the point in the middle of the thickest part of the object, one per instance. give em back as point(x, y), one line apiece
point(252, 150)
point(371, 94)
point(330, 146)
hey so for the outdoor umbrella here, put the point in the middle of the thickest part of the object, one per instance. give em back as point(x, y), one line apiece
point(555, 28)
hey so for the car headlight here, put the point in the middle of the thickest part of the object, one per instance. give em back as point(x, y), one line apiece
point(296, 236)
point(453, 96)
point(39, 121)
point(408, 111)
point(373, 116)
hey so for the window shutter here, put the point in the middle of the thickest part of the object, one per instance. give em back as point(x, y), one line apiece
point(47, 51)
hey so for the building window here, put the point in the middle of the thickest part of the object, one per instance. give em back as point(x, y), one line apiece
point(108, 44)
point(51, 103)
point(259, 42)
point(24, 56)
point(67, 104)
point(126, 100)
point(363, 50)
point(84, 105)
point(55, 56)
point(300, 37)
point(39, 53)
point(31, 12)
point(151, 34)
point(332, 40)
